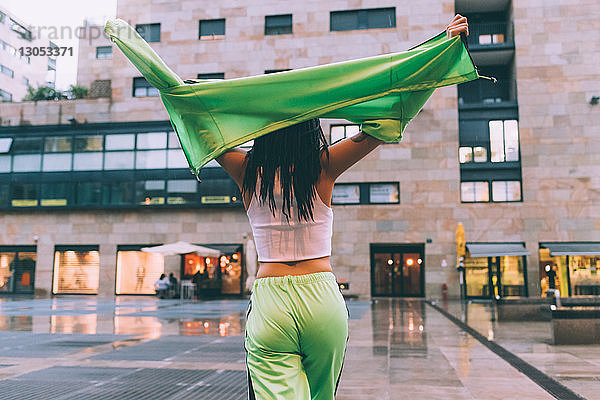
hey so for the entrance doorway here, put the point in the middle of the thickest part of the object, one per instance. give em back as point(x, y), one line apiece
point(17, 269)
point(398, 270)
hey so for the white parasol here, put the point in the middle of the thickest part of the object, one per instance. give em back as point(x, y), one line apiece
point(172, 249)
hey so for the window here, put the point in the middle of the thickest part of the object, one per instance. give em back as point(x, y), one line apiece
point(141, 88)
point(57, 162)
point(87, 161)
point(506, 191)
point(151, 159)
point(76, 269)
point(278, 24)
point(366, 193)
point(7, 71)
point(20, 29)
point(363, 19)
point(5, 96)
point(504, 141)
point(5, 145)
point(120, 142)
point(4, 194)
point(5, 162)
point(152, 140)
point(24, 194)
point(150, 192)
point(212, 75)
point(58, 144)
point(339, 132)
point(27, 145)
point(346, 194)
point(219, 191)
point(472, 154)
point(182, 191)
point(106, 51)
point(88, 193)
point(176, 159)
point(54, 194)
point(27, 162)
point(88, 143)
point(118, 193)
point(25, 81)
point(384, 193)
point(211, 29)
point(274, 71)
point(150, 32)
point(137, 270)
point(17, 269)
point(174, 141)
point(474, 192)
point(118, 160)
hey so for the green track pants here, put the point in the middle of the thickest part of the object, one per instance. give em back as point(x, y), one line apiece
point(296, 335)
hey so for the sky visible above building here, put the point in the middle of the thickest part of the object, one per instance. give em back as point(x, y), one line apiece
point(62, 22)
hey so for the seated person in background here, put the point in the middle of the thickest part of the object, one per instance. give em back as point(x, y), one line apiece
point(162, 286)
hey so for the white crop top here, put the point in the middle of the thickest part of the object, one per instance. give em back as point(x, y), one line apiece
point(278, 240)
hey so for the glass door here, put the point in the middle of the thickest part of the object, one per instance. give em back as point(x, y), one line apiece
point(397, 270)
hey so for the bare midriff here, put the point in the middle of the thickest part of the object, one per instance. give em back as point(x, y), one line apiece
point(301, 267)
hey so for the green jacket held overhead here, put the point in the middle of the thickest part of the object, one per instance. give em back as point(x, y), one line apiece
point(382, 93)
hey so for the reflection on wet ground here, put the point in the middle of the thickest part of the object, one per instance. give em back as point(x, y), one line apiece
point(575, 366)
point(84, 347)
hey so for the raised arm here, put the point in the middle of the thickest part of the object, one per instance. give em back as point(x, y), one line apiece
point(348, 152)
point(232, 162)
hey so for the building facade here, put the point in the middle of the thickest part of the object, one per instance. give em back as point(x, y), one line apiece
point(85, 184)
point(25, 59)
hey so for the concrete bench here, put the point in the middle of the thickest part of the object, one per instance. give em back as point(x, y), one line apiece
point(576, 325)
point(524, 309)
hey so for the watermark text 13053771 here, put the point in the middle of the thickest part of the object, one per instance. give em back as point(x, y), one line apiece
point(49, 51)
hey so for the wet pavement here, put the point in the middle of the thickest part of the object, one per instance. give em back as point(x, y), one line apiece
point(143, 348)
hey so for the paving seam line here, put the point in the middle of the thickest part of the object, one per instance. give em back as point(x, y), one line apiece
point(546, 382)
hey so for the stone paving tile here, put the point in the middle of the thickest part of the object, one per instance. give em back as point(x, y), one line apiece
point(128, 349)
point(575, 366)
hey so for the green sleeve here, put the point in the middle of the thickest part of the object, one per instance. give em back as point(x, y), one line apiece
point(382, 93)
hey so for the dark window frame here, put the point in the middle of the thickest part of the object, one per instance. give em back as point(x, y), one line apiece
point(151, 30)
point(214, 34)
point(275, 25)
point(364, 193)
point(362, 17)
point(139, 82)
point(108, 54)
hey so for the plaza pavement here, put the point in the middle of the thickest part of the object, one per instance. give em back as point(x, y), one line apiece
point(83, 347)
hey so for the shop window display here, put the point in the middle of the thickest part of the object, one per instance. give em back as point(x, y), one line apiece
point(76, 270)
point(17, 271)
point(137, 271)
point(574, 275)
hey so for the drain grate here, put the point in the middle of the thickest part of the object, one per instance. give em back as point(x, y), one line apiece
point(36, 390)
point(106, 383)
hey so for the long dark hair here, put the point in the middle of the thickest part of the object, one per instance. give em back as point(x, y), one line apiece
point(294, 152)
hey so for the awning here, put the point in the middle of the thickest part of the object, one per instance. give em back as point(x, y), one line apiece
point(572, 249)
point(496, 249)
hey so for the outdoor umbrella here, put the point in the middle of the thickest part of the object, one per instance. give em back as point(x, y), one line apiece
point(172, 249)
point(382, 93)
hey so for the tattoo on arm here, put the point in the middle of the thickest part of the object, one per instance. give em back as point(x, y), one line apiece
point(359, 138)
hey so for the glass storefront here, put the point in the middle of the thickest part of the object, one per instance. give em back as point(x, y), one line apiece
point(17, 269)
point(489, 274)
point(137, 270)
point(572, 274)
point(76, 270)
point(216, 275)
